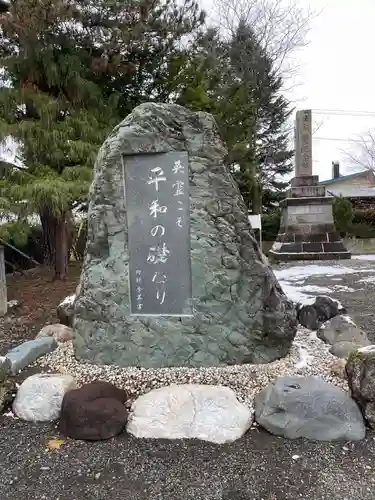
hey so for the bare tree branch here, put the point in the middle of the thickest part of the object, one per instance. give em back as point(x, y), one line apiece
point(362, 154)
point(281, 27)
point(316, 126)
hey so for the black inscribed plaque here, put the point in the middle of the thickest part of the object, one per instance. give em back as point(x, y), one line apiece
point(157, 204)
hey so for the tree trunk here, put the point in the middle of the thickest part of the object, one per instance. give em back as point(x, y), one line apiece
point(57, 237)
point(49, 236)
point(257, 198)
point(62, 251)
point(71, 231)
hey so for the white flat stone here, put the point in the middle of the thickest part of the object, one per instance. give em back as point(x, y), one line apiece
point(61, 333)
point(39, 397)
point(190, 411)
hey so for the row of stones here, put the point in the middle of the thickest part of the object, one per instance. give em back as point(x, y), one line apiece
point(93, 413)
point(98, 410)
point(49, 397)
point(333, 326)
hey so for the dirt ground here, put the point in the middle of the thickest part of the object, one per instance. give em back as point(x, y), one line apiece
point(258, 466)
point(38, 295)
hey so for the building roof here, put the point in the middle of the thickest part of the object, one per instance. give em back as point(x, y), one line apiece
point(351, 192)
point(347, 177)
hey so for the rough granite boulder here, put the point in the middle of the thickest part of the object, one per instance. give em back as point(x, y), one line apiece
point(360, 371)
point(241, 314)
point(309, 407)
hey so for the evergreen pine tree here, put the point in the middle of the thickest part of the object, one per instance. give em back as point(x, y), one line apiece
point(71, 70)
point(235, 81)
point(261, 146)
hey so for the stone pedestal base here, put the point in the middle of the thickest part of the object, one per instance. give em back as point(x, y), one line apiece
point(307, 230)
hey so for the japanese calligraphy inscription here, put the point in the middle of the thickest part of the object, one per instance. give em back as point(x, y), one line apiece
point(303, 143)
point(157, 202)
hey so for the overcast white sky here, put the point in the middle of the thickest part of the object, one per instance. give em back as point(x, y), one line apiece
point(337, 72)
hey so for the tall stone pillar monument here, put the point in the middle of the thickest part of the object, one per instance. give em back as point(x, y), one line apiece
point(307, 229)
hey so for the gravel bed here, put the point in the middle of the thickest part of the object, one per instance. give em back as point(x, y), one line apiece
point(308, 356)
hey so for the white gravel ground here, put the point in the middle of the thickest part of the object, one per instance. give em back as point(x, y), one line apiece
point(308, 356)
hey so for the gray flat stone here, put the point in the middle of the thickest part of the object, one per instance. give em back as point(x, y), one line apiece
point(309, 407)
point(28, 352)
point(343, 349)
point(341, 328)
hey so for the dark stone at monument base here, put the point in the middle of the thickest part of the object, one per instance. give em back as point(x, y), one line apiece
point(287, 257)
point(314, 247)
point(239, 312)
point(324, 308)
point(94, 412)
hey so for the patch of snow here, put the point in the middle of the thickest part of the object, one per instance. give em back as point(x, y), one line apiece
point(336, 279)
point(370, 279)
point(304, 358)
point(313, 336)
point(296, 294)
point(295, 273)
point(13, 303)
point(292, 276)
point(10, 414)
point(339, 305)
point(68, 300)
point(315, 289)
point(364, 257)
point(368, 348)
point(343, 288)
point(348, 319)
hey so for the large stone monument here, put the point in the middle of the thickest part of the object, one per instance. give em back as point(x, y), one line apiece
point(172, 274)
point(307, 229)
